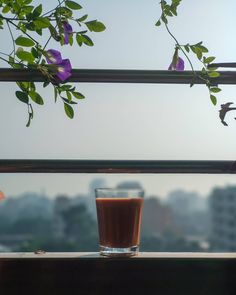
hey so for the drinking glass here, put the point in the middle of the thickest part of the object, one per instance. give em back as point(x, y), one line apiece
point(119, 213)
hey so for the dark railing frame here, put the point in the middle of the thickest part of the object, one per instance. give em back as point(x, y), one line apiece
point(120, 76)
point(90, 274)
point(117, 166)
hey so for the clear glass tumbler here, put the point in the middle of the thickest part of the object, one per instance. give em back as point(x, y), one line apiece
point(119, 213)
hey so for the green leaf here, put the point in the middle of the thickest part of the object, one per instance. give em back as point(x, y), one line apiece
point(87, 41)
point(193, 48)
point(198, 44)
point(213, 74)
point(32, 86)
point(26, 10)
point(45, 84)
point(65, 87)
point(215, 89)
point(209, 59)
point(73, 5)
point(174, 9)
point(36, 97)
point(80, 38)
point(169, 12)
point(23, 86)
point(68, 101)
point(22, 96)
point(25, 56)
point(71, 40)
point(164, 19)
point(213, 99)
point(54, 33)
point(78, 95)
point(95, 26)
point(26, 2)
point(35, 52)
point(37, 11)
point(69, 96)
point(30, 26)
point(82, 18)
point(6, 9)
point(212, 69)
point(203, 48)
point(158, 23)
point(69, 111)
point(204, 72)
point(197, 51)
point(64, 11)
point(186, 47)
point(42, 23)
point(23, 41)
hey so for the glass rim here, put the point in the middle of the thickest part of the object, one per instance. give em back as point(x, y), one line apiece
point(119, 191)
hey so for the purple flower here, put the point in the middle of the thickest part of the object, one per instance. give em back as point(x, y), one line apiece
point(53, 56)
point(64, 70)
point(67, 32)
point(60, 67)
point(177, 63)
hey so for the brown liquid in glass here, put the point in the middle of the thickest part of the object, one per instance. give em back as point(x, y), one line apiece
point(119, 221)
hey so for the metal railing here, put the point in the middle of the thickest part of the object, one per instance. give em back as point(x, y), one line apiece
point(119, 166)
point(120, 76)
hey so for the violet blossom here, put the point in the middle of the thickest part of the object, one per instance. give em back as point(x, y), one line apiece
point(53, 56)
point(67, 31)
point(64, 70)
point(177, 63)
point(61, 66)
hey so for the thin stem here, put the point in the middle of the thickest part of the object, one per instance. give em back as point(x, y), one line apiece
point(11, 22)
point(7, 61)
point(179, 46)
point(4, 59)
point(4, 53)
point(176, 41)
point(20, 19)
point(47, 43)
point(60, 3)
point(13, 18)
point(13, 41)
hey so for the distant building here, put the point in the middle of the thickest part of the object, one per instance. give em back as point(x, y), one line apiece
point(223, 219)
point(157, 218)
point(61, 204)
point(191, 215)
point(183, 202)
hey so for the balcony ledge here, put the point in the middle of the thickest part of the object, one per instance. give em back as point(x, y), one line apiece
point(89, 273)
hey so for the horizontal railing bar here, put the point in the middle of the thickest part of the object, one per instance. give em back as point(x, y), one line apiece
point(117, 166)
point(222, 65)
point(119, 76)
point(43, 255)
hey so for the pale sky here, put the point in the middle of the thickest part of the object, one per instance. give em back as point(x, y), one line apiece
point(129, 121)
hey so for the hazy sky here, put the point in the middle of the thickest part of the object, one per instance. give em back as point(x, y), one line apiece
point(129, 121)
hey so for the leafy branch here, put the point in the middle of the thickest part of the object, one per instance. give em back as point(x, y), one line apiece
point(198, 49)
point(31, 21)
